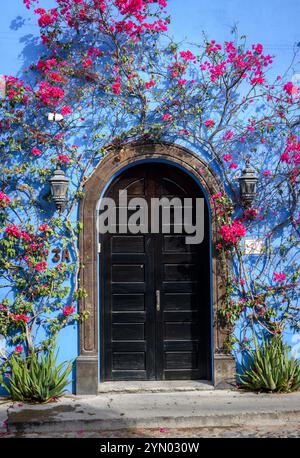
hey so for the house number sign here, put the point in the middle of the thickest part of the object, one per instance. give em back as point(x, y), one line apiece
point(61, 255)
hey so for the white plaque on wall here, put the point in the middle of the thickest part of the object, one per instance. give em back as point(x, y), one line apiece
point(253, 246)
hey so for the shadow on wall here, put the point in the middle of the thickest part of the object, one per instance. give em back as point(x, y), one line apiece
point(32, 47)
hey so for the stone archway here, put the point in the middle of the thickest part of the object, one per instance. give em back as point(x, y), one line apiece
point(87, 372)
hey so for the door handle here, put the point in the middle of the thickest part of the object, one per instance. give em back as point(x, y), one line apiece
point(157, 300)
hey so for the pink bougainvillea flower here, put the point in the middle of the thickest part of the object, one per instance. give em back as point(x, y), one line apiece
point(177, 69)
point(50, 95)
point(68, 310)
point(21, 317)
point(187, 55)
point(279, 277)
point(166, 117)
point(41, 266)
point(50, 63)
point(267, 173)
point(209, 123)
point(36, 152)
point(25, 236)
point(227, 157)
point(162, 3)
point(258, 48)
point(250, 214)
point(217, 70)
point(232, 234)
point(228, 135)
point(116, 87)
point(46, 18)
point(13, 231)
point(231, 50)
point(130, 6)
point(66, 110)
point(233, 165)
point(54, 76)
point(217, 196)
point(296, 159)
point(293, 144)
point(257, 80)
point(63, 158)
point(44, 227)
point(94, 52)
point(4, 200)
point(149, 84)
point(87, 63)
point(213, 47)
point(182, 82)
point(285, 157)
point(28, 3)
point(288, 88)
point(19, 349)
point(183, 132)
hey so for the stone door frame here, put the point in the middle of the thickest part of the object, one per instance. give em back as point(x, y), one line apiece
point(87, 363)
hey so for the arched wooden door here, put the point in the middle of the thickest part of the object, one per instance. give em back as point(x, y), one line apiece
point(155, 289)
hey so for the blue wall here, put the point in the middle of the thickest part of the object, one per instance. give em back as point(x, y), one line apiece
point(271, 22)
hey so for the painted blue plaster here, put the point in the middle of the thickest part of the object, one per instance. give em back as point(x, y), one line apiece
point(271, 22)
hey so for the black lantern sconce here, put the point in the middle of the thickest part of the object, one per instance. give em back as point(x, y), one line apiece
point(59, 187)
point(248, 185)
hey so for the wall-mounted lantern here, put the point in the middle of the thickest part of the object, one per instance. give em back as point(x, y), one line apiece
point(59, 187)
point(248, 185)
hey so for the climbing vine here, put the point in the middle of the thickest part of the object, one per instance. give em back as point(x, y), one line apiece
point(114, 74)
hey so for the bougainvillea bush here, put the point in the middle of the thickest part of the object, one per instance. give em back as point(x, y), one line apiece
point(111, 70)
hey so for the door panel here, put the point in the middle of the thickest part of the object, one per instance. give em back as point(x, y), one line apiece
point(140, 342)
point(129, 244)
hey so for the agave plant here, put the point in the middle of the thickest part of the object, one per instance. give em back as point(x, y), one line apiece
point(37, 378)
point(270, 368)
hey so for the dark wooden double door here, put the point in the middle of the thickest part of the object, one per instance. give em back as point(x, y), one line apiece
point(155, 302)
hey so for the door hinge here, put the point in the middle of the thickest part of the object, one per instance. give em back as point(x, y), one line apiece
point(99, 247)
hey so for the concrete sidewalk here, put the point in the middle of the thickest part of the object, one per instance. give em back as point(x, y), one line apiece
point(191, 409)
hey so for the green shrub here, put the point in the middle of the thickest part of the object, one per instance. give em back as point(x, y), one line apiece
point(37, 378)
point(270, 368)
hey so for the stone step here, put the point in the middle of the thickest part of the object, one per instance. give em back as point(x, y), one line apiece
point(164, 386)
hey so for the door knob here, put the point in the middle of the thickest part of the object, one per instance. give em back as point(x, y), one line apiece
point(157, 300)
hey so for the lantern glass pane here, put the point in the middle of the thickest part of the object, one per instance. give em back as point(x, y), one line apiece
point(58, 189)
